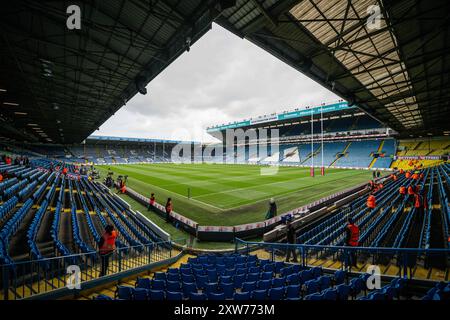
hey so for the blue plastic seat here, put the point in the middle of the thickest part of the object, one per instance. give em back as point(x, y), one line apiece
point(269, 267)
point(140, 294)
point(278, 266)
point(211, 287)
point(324, 282)
point(173, 277)
point(230, 272)
point(251, 277)
point(276, 293)
point(240, 271)
point(156, 295)
point(248, 286)
point(314, 296)
point(227, 289)
point(379, 296)
point(258, 295)
point(212, 275)
point(316, 271)
point(357, 285)
point(174, 296)
point(201, 281)
point(216, 296)
point(253, 270)
point(293, 291)
point(278, 282)
point(312, 286)
point(145, 283)
point(197, 296)
point(264, 262)
point(189, 287)
point(264, 284)
point(173, 270)
point(330, 294)
point(241, 296)
point(286, 271)
point(389, 292)
point(343, 291)
point(293, 279)
point(339, 277)
point(158, 284)
point(187, 277)
point(159, 276)
point(124, 292)
point(239, 279)
point(306, 275)
point(266, 275)
point(226, 279)
point(173, 286)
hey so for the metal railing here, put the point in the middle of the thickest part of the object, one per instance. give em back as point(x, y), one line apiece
point(412, 263)
point(28, 278)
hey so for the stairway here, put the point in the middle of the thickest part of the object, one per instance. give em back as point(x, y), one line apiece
point(380, 148)
point(314, 153)
point(343, 152)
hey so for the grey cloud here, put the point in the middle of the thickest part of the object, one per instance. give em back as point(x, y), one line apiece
point(223, 78)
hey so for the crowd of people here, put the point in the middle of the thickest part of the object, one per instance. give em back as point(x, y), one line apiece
point(18, 160)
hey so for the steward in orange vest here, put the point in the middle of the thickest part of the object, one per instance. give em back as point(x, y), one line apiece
point(106, 246)
point(371, 202)
point(352, 240)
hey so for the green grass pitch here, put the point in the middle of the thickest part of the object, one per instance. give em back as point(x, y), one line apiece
point(233, 194)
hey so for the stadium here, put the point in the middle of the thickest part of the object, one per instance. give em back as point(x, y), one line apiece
point(355, 191)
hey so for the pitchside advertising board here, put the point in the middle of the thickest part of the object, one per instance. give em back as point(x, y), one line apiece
point(285, 116)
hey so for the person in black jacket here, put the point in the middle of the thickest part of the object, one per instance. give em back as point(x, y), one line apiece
point(291, 239)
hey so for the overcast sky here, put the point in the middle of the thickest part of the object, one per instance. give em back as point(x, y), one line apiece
point(221, 79)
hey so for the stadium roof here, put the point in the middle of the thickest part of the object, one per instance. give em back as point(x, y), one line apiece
point(60, 85)
point(103, 139)
point(397, 70)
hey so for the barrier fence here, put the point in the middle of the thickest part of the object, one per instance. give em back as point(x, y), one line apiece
point(29, 278)
point(412, 263)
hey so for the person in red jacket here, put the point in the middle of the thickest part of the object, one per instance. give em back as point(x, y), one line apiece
point(64, 171)
point(151, 202)
point(408, 175)
point(1, 177)
point(420, 203)
point(402, 191)
point(106, 246)
point(8, 160)
point(371, 202)
point(352, 239)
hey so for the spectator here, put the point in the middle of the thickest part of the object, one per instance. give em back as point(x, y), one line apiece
point(371, 202)
point(151, 202)
point(420, 204)
point(107, 245)
point(291, 239)
point(272, 212)
point(352, 240)
point(402, 191)
point(169, 208)
point(1, 177)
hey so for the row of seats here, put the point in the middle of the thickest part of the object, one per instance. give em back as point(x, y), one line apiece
point(213, 277)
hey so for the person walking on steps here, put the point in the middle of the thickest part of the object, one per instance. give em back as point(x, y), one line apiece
point(107, 245)
point(291, 239)
point(352, 240)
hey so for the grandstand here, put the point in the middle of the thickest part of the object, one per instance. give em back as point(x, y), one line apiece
point(61, 186)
